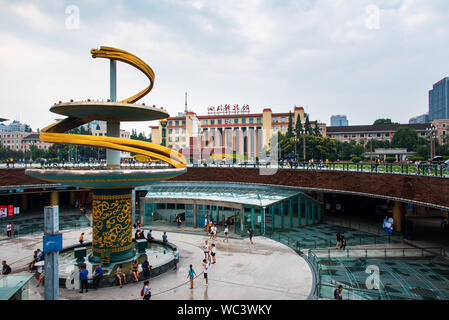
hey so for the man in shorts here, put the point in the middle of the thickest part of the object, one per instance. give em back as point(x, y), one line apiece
point(206, 265)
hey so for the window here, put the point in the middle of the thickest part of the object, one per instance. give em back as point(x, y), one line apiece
point(170, 123)
point(219, 121)
point(204, 121)
point(275, 120)
point(227, 121)
point(444, 125)
point(345, 136)
point(251, 120)
point(212, 121)
point(423, 134)
point(170, 139)
point(183, 122)
point(170, 131)
point(444, 133)
point(282, 128)
point(243, 120)
point(259, 120)
point(283, 119)
point(236, 120)
point(177, 123)
point(275, 128)
point(378, 135)
point(183, 130)
point(387, 134)
point(183, 139)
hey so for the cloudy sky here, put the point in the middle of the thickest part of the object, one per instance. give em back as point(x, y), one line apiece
point(367, 59)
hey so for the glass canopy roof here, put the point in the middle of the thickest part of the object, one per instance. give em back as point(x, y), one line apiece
point(255, 195)
point(11, 283)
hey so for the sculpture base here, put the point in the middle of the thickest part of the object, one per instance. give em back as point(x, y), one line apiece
point(112, 226)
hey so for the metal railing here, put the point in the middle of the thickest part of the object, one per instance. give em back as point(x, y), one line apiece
point(325, 288)
point(435, 170)
point(365, 227)
point(36, 228)
point(300, 245)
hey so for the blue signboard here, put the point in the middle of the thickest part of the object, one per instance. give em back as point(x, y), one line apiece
point(52, 242)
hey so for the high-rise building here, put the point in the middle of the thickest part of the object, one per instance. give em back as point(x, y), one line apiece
point(339, 121)
point(424, 118)
point(439, 100)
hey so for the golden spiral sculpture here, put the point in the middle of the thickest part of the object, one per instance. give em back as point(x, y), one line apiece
point(80, 113)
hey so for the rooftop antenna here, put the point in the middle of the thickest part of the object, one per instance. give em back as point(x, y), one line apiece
point(186, 104)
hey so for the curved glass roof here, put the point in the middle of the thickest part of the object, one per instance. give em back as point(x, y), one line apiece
point(250, 194)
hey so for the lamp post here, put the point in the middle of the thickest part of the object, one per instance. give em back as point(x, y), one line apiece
point(295, 140)
point(432, 134)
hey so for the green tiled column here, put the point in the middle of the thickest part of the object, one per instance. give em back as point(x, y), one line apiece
point(290, 212)
point(282, 215)
point(299, 211)
point(313, 212)
point(272, 218)
point(252, 218)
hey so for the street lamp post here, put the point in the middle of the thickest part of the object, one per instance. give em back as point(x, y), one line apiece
point(295, 140)
point(432, 134)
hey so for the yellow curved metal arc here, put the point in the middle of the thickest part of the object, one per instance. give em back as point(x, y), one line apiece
point(54, 133)
point(156, 151)
point(129, 58)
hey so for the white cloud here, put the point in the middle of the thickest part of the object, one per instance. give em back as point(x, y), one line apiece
point(316, 53)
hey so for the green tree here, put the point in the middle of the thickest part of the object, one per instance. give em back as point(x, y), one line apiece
point(299, 131)
point(405, 138)
point(316, 130)
point(384, 121)
point(290, 126)
point(307, 126)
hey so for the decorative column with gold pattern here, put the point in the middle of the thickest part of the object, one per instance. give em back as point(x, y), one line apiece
point(112, 226)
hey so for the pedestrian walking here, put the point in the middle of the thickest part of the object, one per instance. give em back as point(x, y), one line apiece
point(146, 291)
point(338, 293)
point(251, 234)
point(176, 256)
point(206, 265)
point(214, 232)
point(191, 275)
point(342, 241)
point(9, 230)
point(338, 240)
point(226, 232)
point(206, 250)
point(81, 239)
point(83, 278)
point(212, 253)
point(178, 221)
point(164, 237)
point(343, 244)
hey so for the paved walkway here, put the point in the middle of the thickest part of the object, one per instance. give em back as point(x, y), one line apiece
point(265, 270)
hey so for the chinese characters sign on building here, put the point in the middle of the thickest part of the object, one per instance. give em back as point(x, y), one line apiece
point(228, 109)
